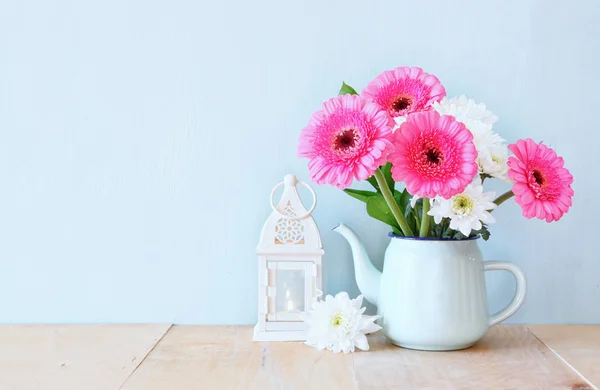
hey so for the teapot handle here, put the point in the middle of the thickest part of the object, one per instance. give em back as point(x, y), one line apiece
point(519, 297)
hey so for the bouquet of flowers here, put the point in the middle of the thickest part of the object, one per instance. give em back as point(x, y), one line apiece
point(403, 128)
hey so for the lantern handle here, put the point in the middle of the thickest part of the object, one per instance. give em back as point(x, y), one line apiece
point(309, 212)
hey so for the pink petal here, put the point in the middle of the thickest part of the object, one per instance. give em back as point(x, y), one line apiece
point(520, 188)
point(527, 198)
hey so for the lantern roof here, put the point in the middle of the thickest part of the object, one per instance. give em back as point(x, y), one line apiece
point(290, 229)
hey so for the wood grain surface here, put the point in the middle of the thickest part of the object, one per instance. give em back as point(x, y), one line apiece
point(508, 357)
point(154, 357)
point(191, 357)
point(578, 345)
point(64, 357)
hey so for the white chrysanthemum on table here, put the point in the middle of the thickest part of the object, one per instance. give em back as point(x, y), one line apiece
point(338, 324)
point(492, 153)
point(468, 210)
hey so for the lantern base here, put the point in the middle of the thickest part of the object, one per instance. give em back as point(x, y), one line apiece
point(278, 335)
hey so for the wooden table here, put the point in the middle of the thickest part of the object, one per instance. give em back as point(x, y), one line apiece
point(157, 357)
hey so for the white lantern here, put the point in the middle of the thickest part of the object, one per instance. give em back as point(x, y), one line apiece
point(289, 266)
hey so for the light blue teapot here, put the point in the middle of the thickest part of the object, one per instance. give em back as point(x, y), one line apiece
point(431, 294)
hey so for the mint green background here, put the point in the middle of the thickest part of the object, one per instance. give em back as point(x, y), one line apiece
point(139, 141)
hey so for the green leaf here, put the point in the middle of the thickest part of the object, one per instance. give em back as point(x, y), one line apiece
point(374, 183)
point(441, 229)
point(346, 89)
point(377, 208)
point(457, 235)
point(398, 197)
point(361, 195)
point(448, 233)
point(414, 223)
point(437, 230)
point(418, 210)
point(403, 199)
point(387, 173)
point(484, 232)
point(411, 215)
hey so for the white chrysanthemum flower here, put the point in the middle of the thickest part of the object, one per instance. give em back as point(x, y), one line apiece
point(413, 201)
point(491, 150)
point(467, 210)
point(399, 121)
point(338, 324)
point(465, 110)
point(493, 160)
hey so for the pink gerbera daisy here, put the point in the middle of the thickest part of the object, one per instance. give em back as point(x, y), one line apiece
point(404, 90)
point(347, 139)
point(542, 184)
point(434, 155)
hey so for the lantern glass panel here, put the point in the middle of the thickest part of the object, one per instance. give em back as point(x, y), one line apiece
point(290, 291)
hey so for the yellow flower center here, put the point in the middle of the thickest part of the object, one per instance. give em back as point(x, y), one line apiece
point(496, 159)
point(337, 320)
point(462, 205)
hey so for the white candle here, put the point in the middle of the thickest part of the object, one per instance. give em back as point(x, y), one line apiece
point(290, 305)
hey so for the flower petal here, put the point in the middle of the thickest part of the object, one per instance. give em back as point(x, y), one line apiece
point(361, 342)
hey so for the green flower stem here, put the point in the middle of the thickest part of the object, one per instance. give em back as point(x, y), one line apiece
point(504, 197)
point(425, 218)
point(417, 219)
point(389, 198)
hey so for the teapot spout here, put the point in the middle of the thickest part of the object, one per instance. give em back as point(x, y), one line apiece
point(368, 277)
